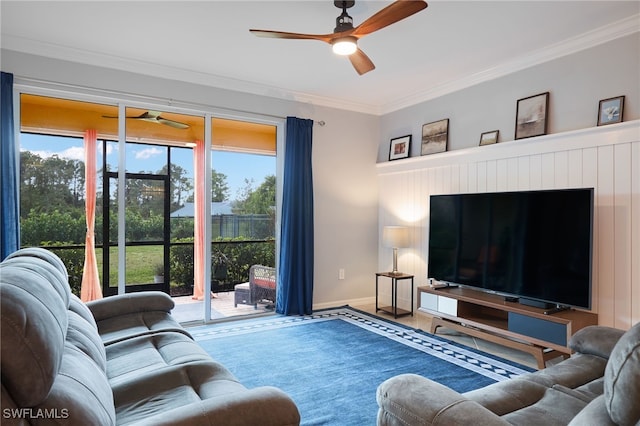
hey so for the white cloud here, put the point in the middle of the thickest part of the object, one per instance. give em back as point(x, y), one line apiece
point(148, 153)
point(111, 148)
point(73, 153)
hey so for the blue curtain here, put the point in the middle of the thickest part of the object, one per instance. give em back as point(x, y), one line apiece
point(295, 294)
point(9, 217)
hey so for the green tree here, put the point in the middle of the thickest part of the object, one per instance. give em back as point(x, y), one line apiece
point(51, 183)
point(261, 200)
point(219, 187)
point(180, 185)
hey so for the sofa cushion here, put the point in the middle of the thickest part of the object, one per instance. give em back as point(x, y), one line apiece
point(555, 408)
point(586, 392)
point(264, 406)
point(508, 395)
point(594, 414)
point(42, 254)
point(51, 273)
point(80, 394)
point(34, 327)
point(85, 338)
point(157, 393)
point(573, 372)
point(76, 305)
point(622, 379)
point(131, 358)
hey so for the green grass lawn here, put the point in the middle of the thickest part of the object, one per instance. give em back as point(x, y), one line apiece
point(141, 264)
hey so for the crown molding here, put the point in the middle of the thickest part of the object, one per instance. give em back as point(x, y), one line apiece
point(601, 35)
point(584, 41)
point(98, 59)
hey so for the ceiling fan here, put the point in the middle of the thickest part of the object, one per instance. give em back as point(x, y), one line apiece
point(154, 117)
point(344, 38)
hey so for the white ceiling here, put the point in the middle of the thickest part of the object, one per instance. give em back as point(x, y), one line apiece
point(448, 46)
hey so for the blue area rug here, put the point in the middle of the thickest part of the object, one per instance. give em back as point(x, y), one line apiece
point(332, 362)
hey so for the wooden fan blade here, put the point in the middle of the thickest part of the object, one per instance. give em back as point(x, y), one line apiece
point(143, 116)
point(396, 11)
point(292, 36)
point(154, 117)
point(361, 62)
point(150, 114)
point(171, 123)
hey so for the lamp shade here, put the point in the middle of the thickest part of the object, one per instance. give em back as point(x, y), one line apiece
point(395, 236)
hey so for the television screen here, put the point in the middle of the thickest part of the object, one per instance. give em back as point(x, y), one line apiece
point(529, 244)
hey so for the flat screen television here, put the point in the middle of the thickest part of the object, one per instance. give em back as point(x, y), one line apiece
point(531, 245)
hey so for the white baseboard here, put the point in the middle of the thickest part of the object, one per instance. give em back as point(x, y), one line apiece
point(350, 302)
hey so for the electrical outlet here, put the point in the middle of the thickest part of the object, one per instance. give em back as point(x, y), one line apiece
point(341, 274)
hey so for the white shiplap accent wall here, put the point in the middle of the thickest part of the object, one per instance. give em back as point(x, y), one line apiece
point(605, 158)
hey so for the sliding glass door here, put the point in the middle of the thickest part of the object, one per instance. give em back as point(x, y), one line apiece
point(145, 227)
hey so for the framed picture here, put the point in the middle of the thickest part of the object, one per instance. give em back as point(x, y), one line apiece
point(610, 110)
point(400, 147)
point(435, 137)
point(531, 116)
point(487, 138)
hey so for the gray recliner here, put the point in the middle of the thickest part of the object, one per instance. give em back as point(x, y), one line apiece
point(599, 385)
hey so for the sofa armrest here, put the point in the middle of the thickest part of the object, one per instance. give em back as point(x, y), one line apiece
point(594, 414)
point(129, 303)
point(409, 399)
point(265, 406)
point(595, 340)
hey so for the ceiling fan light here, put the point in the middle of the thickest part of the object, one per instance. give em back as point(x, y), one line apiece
point(345, 46)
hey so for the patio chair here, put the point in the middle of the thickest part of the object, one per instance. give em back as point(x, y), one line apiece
point(260, 288)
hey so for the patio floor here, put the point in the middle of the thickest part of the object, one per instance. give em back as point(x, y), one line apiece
point(188, 310)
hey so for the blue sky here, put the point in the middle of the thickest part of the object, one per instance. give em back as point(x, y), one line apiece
point(149, 158)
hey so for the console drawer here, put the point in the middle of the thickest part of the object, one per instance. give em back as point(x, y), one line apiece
point(538, 328)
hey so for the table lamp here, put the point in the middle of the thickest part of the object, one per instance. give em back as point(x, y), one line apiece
point(395, 237)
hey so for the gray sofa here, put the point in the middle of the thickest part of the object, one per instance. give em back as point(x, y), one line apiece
point(599, 385)
point(120, 360)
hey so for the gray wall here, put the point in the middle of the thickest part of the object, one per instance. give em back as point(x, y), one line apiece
point(344, 157)
point(576, 84)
